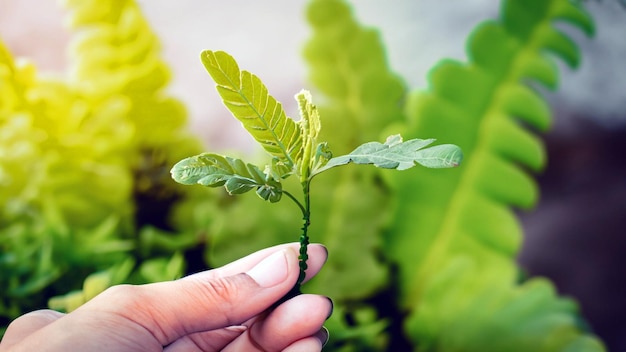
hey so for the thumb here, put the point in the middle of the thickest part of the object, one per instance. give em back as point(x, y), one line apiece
point(170, 310)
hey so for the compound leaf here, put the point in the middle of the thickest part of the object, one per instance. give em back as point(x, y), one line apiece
point(249, 101)
point(237, 177)
point(399, 155)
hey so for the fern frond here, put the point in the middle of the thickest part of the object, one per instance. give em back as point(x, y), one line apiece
point(455, 235)
point(75, 150)
point(260, 114)
point(117, 71)
point(16, 141)
point(11, 89)
point(362, 97)
point(115, 50)
point(348, 64)
point(116, 55)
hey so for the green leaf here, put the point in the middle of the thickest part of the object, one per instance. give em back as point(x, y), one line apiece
point(310, 127)
point(163, 269)
point(455, 236)
point(348, 65)
point(399, 155)
point(322, 156)
point(237, 177)
point(249, 101)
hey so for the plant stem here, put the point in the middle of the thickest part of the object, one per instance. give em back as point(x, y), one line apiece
point(304, 241)
point(304, 237)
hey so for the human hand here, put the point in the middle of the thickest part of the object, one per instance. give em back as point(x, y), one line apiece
point(225, 309)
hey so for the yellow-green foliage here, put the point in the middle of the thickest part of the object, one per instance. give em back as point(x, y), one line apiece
point(47, 153)
point(117, 61)
point(152, 270)
point(76, 152)
point(455, 236)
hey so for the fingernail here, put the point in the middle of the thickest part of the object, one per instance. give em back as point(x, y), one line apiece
point(270, 271)
point(332, 307)
point(236, 328)
point(323, 335)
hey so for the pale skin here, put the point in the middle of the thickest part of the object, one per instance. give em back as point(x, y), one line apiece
point(224, 309)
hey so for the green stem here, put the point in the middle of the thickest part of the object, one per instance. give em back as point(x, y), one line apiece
point(304, 241)
point(304, 237)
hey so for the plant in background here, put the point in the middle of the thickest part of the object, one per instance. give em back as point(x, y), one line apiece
point(81, 157)
point(294, 147)
point(453, 238)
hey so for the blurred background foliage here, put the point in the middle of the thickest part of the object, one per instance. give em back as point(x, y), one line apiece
point(422, 260)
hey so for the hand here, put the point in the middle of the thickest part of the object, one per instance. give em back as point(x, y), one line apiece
point(224, 309)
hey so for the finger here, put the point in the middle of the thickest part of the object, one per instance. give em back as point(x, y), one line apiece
point(27, 324)
point(309, 344)
point(323, 335)
point(213, 340)
point(296, 319)
point(170, 310)
point(317, 257)
point(217, 339)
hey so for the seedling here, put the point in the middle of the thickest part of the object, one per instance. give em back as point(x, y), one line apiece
point(293, 146)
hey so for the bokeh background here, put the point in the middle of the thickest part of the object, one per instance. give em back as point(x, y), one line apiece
point(575, 235)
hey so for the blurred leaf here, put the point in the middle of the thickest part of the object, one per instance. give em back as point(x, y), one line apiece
point(366, 333)
point(454, 234)
point(93, 285)
point(163, 269)
point(259, 225)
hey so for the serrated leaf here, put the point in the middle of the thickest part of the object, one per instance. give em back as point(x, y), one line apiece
point(237, 177)
point(348, 64)
point(249, 101)
point(395, 154)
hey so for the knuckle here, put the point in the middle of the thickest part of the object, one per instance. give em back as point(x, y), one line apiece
point(222, 296)
point(222, 290)
point(124, 296)
point(119, 291)
point(35, 318)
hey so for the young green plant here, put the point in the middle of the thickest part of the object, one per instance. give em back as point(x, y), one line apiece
point(294, 147)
